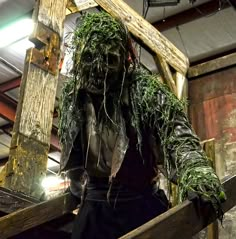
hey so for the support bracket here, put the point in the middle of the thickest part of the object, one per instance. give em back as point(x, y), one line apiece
point(46, 53)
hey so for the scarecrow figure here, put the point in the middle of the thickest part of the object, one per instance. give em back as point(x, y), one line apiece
point(118, 124)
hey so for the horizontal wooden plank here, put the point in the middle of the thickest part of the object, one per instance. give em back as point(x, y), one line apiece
point(213, 65)
point(184, 217)
point(11, 201)
point(35, 215)
point(182, 220)
point(147, 34)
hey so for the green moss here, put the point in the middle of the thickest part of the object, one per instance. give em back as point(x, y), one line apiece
point(156, 107)
point(146, 92)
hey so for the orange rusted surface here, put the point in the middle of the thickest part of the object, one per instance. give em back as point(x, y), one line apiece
point(213, 105)
point(213, 115)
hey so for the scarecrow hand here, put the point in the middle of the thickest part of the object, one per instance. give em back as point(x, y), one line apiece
point(207, 205)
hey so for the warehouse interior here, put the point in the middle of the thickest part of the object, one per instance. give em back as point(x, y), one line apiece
point(203, 30)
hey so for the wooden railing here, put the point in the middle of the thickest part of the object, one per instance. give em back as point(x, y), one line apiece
point(183, 220)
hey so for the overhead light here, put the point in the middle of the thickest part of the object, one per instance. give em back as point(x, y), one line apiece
point(162, 3)
point(15, 31)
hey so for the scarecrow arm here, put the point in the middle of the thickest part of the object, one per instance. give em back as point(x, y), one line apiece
point(183, 153)
point(162, 112)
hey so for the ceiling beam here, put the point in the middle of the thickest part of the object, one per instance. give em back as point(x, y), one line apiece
point(212, 65)
point(11, 84)
point(8, 112)
point(7, 108)
point(189, 15)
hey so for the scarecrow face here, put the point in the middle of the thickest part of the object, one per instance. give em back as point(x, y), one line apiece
point(101, 66)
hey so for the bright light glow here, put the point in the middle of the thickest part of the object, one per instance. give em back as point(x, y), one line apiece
point(15, 31)
point(51, 182)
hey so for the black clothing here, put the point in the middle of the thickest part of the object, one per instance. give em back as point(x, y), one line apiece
point(114, 211)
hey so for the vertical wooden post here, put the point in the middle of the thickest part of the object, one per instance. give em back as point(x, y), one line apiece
point(181, 86)
point(209, 147)
point(166, 73)
point(32, 129)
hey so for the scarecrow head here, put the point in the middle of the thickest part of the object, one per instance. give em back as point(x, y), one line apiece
point(101, 53)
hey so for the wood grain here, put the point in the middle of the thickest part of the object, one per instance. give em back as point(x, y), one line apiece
point(32, 128)
point(183, 221)
point(213, 65)
point(147, 34)
point(35, 215)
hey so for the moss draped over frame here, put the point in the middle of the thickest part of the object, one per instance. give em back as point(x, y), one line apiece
point(153, 106)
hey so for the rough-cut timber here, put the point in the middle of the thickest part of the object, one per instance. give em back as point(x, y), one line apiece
point(52, 14)
point(181, 86)
point(12, 201)
point(147, 34)
point(183, 220)
point(35, 215)
point(32, 129)
point(209, 148)
point(213, 65)
point(166, 74)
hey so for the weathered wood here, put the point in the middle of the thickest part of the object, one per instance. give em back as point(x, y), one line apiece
point(36, 104)
point(213, 65)
point(27, 166)
point(209, 148)
point(165, 72)
point(181, 86)
point(147, 34)
point(13, 201)
point(32, 129)
point(80, 5)
point(183, 220)
point(213, 230)
point(35, 215)
point(51, 13)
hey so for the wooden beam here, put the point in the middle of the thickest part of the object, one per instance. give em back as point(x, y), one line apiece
point(166, 74)
point(209, 148)
point(35, 215)
point(212, 65)
point(189, 15)
point(80, 5)
point(184, 217)
point(9, 85)
point(6, 111)
point(181, 85)
point(147, 34)
point(183, 220)
point(13, 201)
point(30, 142)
